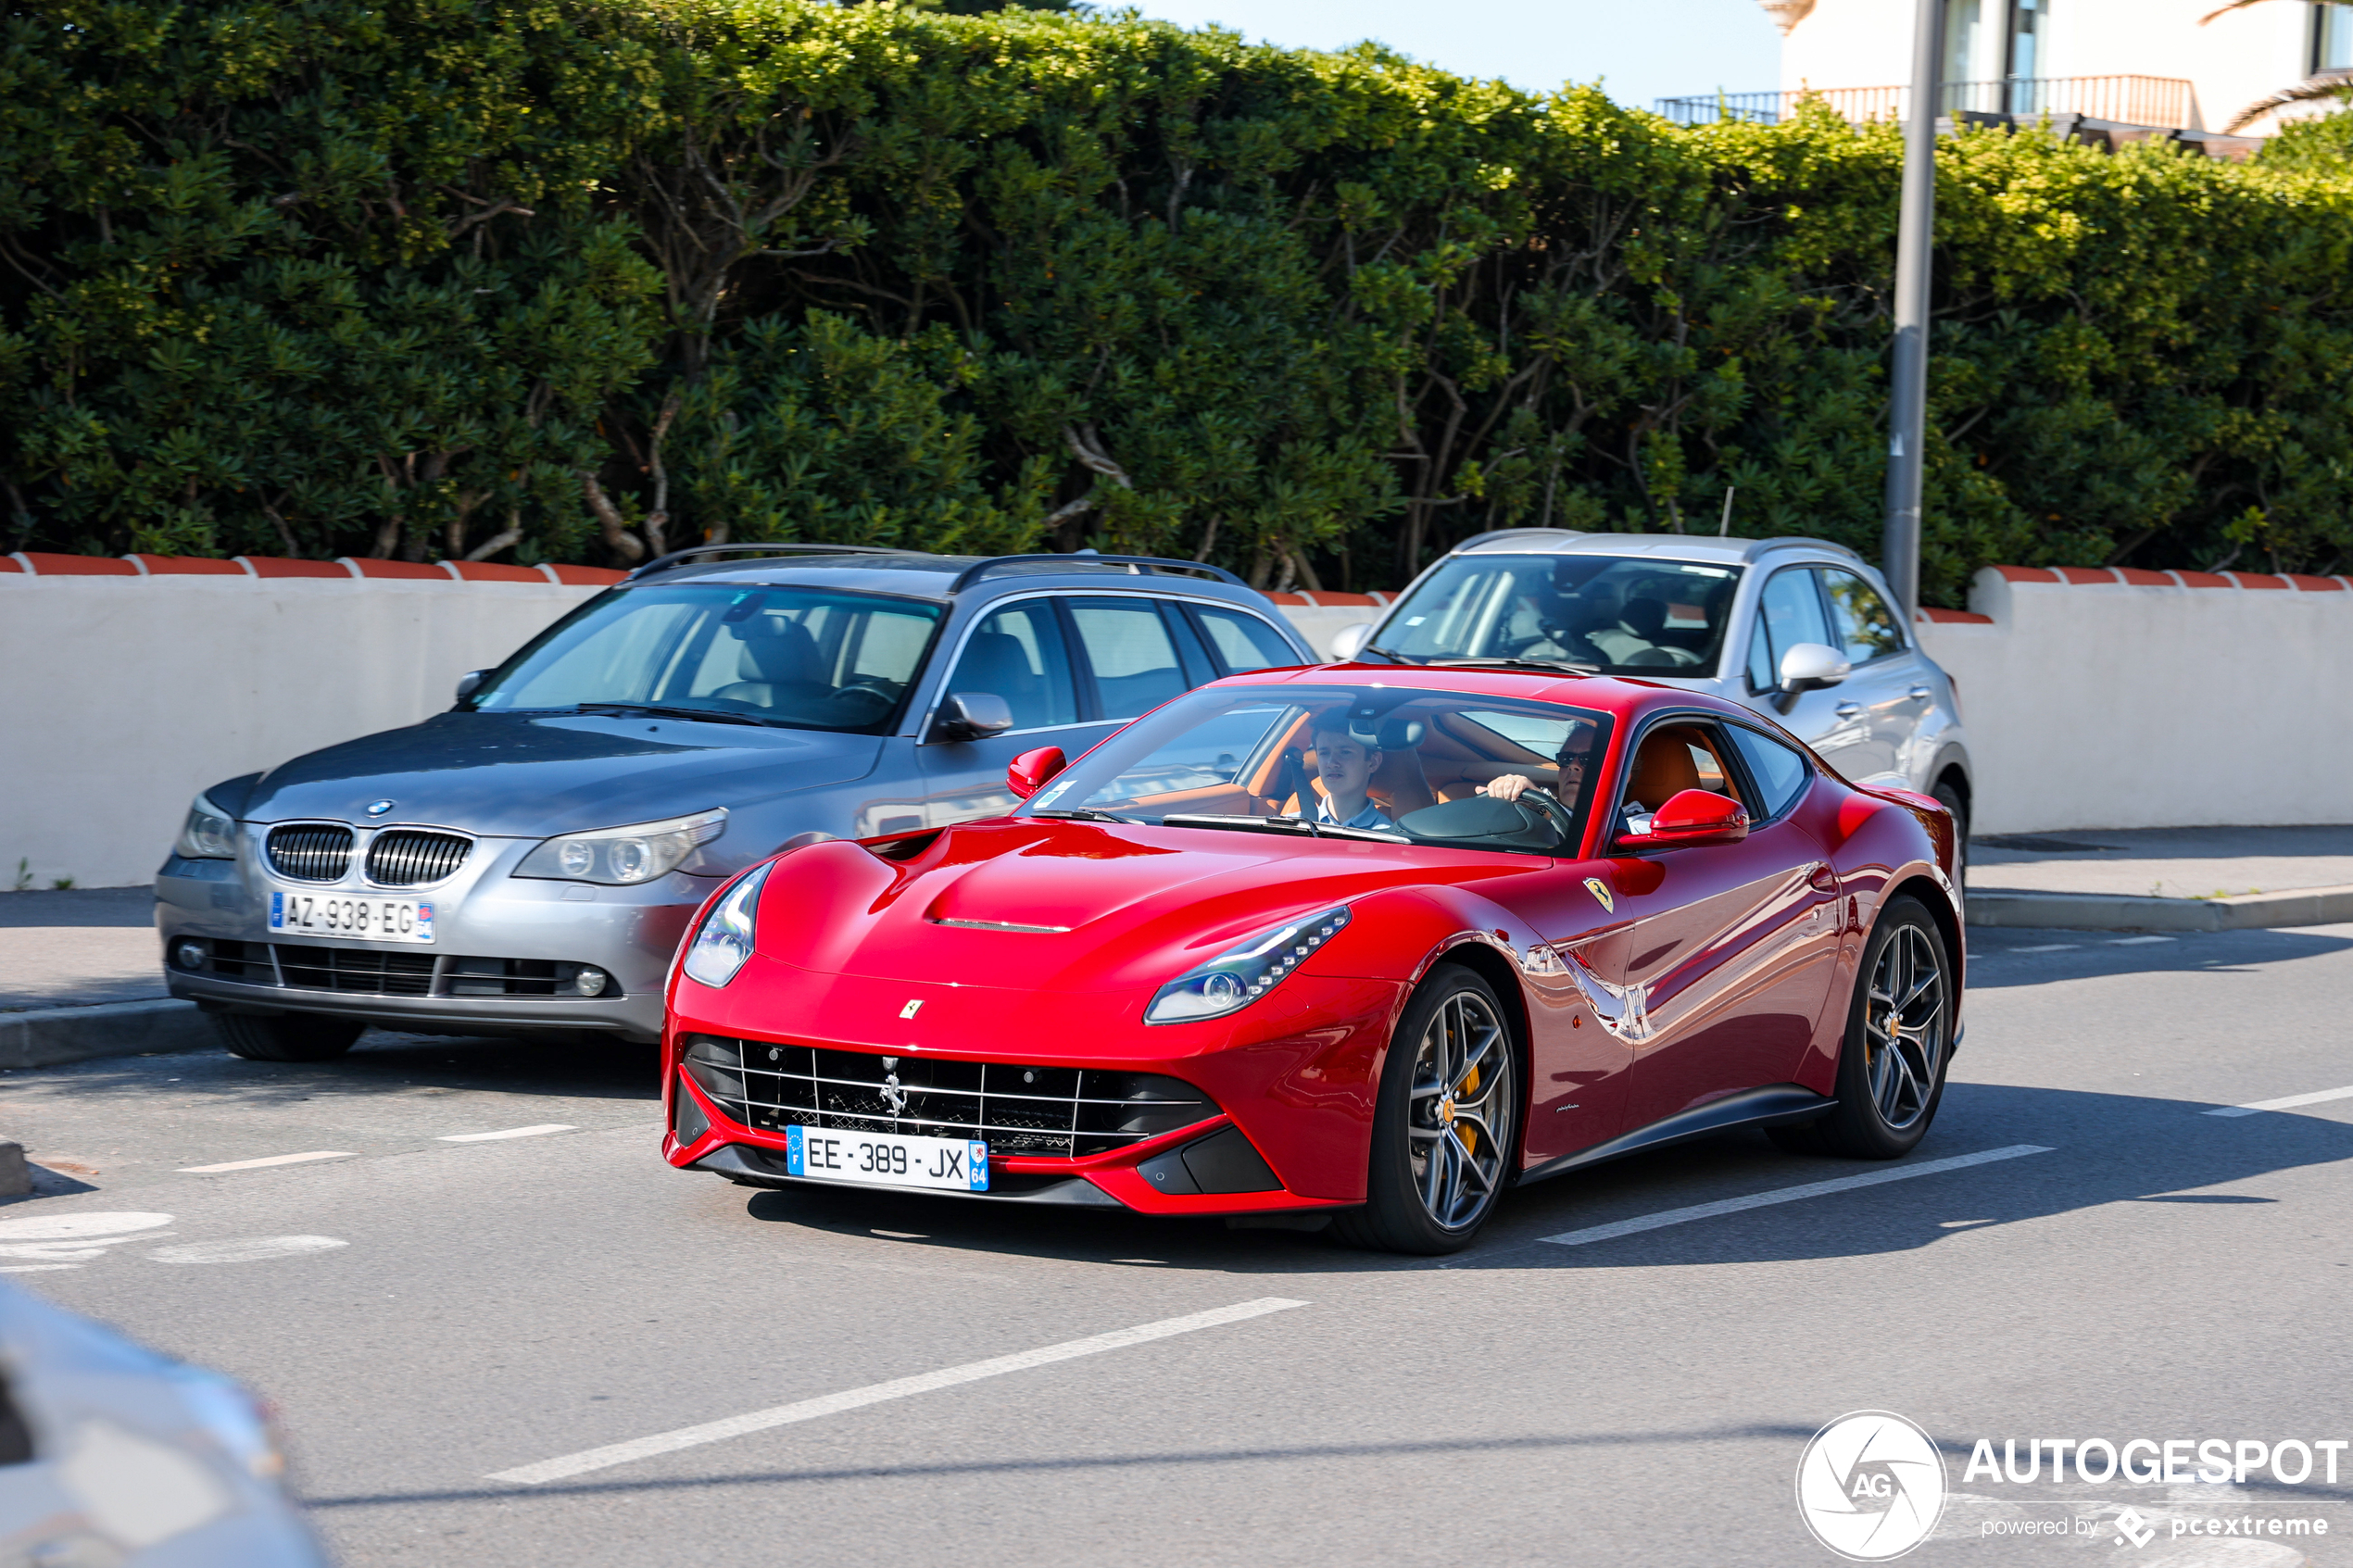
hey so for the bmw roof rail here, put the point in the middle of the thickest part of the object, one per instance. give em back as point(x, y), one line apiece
point(1518, 533)
point(663, 563)
point(1136, 565)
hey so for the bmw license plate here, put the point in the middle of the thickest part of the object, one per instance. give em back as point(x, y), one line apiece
point(898, 1159)
point(336, 914)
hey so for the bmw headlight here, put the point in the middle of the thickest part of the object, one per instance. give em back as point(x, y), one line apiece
point(209, 833)
point(724, 940)
point(622, 857)
point(1244, 973)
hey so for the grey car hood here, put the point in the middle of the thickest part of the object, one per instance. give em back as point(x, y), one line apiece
point(516, 776)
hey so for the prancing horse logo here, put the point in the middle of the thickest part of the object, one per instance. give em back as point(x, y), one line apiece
point(911, 1009)
point(893, 1096)
point(1600, 890)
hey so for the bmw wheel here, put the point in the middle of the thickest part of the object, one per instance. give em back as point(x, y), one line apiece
point(1899, 1037)
point(1446, 1123)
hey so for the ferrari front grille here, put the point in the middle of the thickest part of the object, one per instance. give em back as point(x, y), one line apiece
point(1063, 1112)
point(310, 851)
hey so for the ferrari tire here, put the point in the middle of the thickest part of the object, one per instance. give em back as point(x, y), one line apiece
point(1899, 1042)
point(1445, 1124)
point(287, 1037)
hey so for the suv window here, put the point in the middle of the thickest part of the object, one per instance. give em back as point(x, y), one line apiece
point(1779, 770)
point(1866, 627)
point(1018, 653)
point(1133, 658)
point(1242, 641)
point(1789, 613)
point(1639, 615)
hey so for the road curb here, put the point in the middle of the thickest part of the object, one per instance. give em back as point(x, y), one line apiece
point(54, 1035)
point(2125, 911)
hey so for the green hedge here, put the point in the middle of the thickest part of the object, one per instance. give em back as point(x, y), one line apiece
point(570, 281)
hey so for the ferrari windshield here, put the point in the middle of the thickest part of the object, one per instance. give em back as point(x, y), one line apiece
point(1612, 614)
point(805, 659)
point(1396, 763)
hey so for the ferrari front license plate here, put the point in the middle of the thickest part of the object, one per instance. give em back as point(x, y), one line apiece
point(334, 914)
point(898, 1159)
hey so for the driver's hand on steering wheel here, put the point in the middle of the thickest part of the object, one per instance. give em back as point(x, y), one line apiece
point(1510, 787)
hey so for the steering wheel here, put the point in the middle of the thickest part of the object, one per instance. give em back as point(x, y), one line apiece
point(871, 690)
point(1541, 808)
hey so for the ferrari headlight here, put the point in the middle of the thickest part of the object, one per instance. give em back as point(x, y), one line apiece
point(622, 857)
point(209, 833)
point(1244, 973)
point(724, 940)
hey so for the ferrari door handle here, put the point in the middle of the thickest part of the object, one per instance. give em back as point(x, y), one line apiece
point(1824, 879)
point(1920, 694)
point(1849, 711)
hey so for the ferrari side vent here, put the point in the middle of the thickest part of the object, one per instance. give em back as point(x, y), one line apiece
point(1057, 1111)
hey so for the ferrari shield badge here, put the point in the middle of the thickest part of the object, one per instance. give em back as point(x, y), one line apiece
point(1600, 890)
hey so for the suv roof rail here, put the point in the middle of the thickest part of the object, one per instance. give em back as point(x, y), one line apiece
point(1785, 541)
point(663, 563)
point(1519, 532)
point(1136, 565)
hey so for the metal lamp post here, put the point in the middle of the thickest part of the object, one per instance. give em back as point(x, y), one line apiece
point(1907, 410)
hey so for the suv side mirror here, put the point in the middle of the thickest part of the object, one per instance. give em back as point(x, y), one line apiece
point(471, 682)
point(1809, 667)
point(1031, 770)
point(1348, 641)
point(1689, 817)
point(972, 716)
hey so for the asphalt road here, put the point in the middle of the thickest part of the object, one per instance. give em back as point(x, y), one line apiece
point(429, 1314)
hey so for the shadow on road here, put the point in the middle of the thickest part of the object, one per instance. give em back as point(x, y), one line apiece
point(2005, 957)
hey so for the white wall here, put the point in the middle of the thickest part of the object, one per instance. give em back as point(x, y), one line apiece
point(122, 696)
point(2088, 705)
point(2104, 705)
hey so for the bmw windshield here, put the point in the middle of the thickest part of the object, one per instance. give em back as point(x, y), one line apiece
point(801, 659)
point(1394, 763)
point(1610, 614)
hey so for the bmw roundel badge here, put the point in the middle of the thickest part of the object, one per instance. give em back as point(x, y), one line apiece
point(378, 807)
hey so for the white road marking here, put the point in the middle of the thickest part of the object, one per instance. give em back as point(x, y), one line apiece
point(247, 1250)
point(74, 1227)
point(1787, 1195)
point(2046, 947)
point(2135, 941)
point(272, 1160)
point(2318, 1097)
point(509, 1132)
point(876, 1393)
point(36, 1268)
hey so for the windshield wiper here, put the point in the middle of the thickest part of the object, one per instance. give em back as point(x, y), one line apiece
point(1389, 654)
point(1515, 664)
point(1276, 824)
point(667, 711)
point(1081, 814)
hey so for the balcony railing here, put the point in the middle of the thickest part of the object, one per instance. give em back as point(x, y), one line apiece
point(2128, 100)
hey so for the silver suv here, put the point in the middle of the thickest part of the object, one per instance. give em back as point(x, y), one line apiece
point(1800, 630)
point(526, 861)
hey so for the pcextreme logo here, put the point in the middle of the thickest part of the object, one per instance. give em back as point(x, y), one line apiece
point(1870, 1486)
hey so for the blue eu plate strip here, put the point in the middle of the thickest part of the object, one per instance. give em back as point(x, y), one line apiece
point(981, 1166)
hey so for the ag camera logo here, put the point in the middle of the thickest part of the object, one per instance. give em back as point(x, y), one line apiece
point(1870, 1486)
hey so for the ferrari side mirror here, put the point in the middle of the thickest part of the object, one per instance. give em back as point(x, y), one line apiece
point(972, 716)
point(1809, 667)
point(1031, 770)
point(1691, 817)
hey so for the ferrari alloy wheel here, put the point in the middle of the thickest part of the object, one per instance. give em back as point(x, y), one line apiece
point(1445, 1127)
point(1899, 1033)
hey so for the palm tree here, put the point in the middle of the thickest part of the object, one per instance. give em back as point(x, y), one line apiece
point(2338, 83)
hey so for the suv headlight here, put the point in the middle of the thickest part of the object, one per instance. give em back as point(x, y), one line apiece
point(1244, 973)
point(724, 940)
point(209, 833)
point(622, 856)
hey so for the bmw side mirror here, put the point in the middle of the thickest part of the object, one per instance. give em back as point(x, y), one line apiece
point(1691, 817)
point(972, 716)
point(1348, 641)
point(471, 682)
point(1031, 770)
point(1810, 667)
